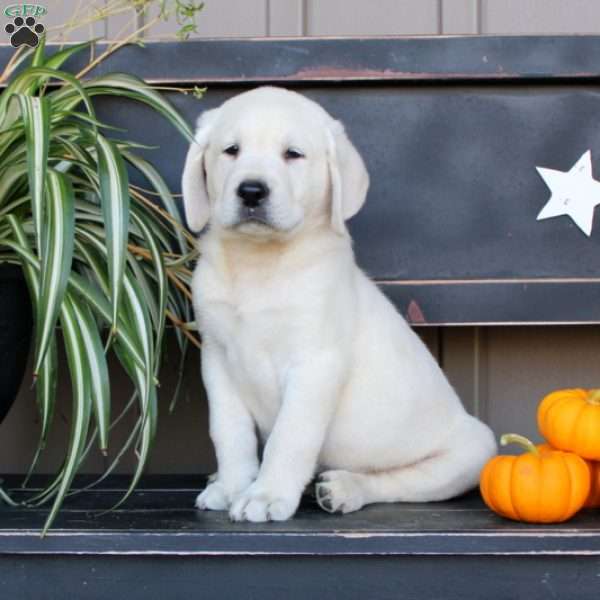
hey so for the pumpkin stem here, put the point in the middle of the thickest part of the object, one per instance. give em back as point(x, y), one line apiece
point(521, 440)
point(594, 396)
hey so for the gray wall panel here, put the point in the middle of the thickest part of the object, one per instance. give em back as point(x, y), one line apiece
point(58, 14)
point(384, 17)
point(459, 16)
point(464, 360)
point(231, 18)
point(286, 18)
point(239, 18)
point(540, 16)
point(527, 363)
point(120, 25)
point(222, 18)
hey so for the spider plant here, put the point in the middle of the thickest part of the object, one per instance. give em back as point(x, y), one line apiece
point(105, 262)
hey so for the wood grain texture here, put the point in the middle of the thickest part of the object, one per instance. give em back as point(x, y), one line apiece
point(266, 577)
point(160, 519)
point(385, 60)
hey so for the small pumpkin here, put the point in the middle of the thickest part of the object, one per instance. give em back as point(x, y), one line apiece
point(593, 499)
point(570, 420)
point(542, 485)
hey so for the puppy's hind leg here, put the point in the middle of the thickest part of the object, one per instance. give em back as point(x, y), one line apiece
point(447, 473)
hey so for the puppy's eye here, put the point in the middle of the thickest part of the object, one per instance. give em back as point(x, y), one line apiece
point(232, 150)
point(292, 154)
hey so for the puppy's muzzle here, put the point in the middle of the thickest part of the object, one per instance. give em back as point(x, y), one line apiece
point(254, 195)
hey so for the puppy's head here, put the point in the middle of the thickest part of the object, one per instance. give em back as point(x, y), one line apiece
point(269, 163)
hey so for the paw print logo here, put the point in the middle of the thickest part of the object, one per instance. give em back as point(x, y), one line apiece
point(24, 31)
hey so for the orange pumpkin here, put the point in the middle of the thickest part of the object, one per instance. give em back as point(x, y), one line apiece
point(593, 499)
point(541, 486)
point(570, 420)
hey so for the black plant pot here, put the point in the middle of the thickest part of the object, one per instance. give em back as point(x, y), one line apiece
point(15, 333)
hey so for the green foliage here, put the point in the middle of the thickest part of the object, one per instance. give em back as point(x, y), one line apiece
point(104, 263)
point(185, 13)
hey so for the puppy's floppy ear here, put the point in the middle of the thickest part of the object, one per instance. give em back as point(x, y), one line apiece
point(193, 181)
point(348, 174)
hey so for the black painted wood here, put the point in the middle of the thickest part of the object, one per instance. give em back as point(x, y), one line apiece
point(163, 520)
point(392, 59)
point(451, 130)
point(159, 546)
point(455, 195)
point(297, 578)
point(497, 302)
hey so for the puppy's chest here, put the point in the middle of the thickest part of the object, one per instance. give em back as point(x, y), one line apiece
point(242, 318)
point(254, 355)
point(249, 320)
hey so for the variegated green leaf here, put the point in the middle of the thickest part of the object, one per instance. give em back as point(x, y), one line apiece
point(146, 285)
point(46, 390)
point(46, 400)
point(132, 342)
point(57, 59)
point(154, 177)
point(57, 256)
point(130, 86)
point(80, 418)
point(161, 280)
point(8, 181)
point(90, 284)
point(20, 84)
point(114, 193)
point(137, 319)
point(147, 423)
point(95, 299)
point(122, 451)
point(38, 59)
point(36, 118)
point(98, 370)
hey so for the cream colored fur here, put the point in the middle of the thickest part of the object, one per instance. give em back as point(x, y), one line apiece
point(299, 346)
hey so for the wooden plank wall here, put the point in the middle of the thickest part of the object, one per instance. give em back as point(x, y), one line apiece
point(234, 18)
point(500, 372)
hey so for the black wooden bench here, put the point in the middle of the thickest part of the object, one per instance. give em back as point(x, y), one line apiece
point(451, 130)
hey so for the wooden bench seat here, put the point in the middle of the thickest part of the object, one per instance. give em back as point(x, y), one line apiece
point(159, 546)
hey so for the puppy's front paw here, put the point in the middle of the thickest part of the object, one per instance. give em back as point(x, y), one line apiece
point(259, 504)
point(213, 497)
point(339, 491)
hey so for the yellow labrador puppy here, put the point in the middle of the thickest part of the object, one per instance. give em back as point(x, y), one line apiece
point(299, 346)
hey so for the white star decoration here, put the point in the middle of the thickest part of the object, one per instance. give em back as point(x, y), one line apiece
point(574, 193)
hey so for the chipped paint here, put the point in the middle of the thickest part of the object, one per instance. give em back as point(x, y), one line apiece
point(415, 314)
point(327, 72)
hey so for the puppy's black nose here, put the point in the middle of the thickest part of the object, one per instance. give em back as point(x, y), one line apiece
point(252, 192)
